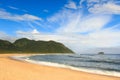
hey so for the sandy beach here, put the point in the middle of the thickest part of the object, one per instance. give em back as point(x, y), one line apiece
point(17, 70)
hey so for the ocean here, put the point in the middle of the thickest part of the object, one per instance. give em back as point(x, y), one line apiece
point(107, 64)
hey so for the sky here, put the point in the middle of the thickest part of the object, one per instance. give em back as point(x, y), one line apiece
point(85, 26)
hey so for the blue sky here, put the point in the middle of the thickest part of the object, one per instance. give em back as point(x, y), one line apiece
point(82, 25)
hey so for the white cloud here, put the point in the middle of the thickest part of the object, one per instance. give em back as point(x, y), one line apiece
point(62, 16)
point(89, 3)
point(5, 36)
point(94, 0)
point(33, 32)
point(14, 17)
point(15, 8)
point(11, 7)
point(29, 17)
point(102, 40)
point(83, 33)
point(102, 6)
point(93, 42)
point(76, 22)
point(106, 8)
point(87, 24)
point(71, 5)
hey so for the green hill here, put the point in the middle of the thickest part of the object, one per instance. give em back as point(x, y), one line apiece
point(6, 46)
point(25, 45)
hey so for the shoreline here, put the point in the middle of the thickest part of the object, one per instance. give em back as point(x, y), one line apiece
point(51, 64)
point(21, 68)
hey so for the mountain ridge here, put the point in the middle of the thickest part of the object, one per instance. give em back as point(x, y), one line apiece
point(25, 45)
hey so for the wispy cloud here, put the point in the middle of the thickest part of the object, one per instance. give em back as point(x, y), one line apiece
point(79, 24)
point(62, 16)
point(15, 8)
point(35, 34)
point(80, 30)
point(71, 5)
point(102, 6)
point(5, 36)
point(75, 22)
point(106, 8)
point(11, 7)
point(15, 17)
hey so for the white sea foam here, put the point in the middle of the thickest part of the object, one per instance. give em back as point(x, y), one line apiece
point(102, 72)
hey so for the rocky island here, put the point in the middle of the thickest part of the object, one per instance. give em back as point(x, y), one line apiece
point(101, 53)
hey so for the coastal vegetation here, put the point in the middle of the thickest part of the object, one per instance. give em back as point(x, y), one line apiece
point(25, 45)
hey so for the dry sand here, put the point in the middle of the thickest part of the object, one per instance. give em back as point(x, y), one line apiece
point(18, 70)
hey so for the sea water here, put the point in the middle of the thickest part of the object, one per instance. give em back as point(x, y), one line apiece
point(107, 64)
